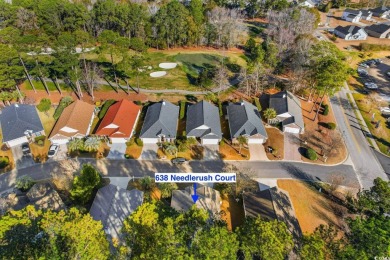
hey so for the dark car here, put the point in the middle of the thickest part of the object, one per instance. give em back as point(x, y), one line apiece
point(26, 149)
point(178, 160)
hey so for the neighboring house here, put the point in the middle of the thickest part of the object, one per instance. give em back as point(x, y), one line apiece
point(74, 122)
point(209, 199)
point(308, 3)
point(378, 30)
point(272, 204)
point(245, 120)
point(350, 33)
point(160, 123)
point(203, 122)
point(44, 196)
point(381, 12)
point(120, 121)
point(112, 205)
point(20, 124)
point(288, 110)
point(351, 15)
point(366, 15)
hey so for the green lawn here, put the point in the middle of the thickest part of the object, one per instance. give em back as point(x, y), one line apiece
point(39, 86)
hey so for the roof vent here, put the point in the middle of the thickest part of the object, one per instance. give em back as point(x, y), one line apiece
point(16, 105)
point(284, 95)
point(242, 102)
point(163, 103)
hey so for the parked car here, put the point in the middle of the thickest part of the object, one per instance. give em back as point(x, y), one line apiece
point(26, 149)
point(371, 85)
point(388, 74)
point(53, 150)
point(178, 160)
point(378, 61)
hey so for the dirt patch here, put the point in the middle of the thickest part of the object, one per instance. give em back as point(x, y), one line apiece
point(232, 212)
point(312, 207)
point(276, 142)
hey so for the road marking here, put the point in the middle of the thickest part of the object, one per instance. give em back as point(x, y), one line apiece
point(348, 123)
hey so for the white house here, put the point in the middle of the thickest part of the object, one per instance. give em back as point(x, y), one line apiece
point(350, 33)
point(351, 15)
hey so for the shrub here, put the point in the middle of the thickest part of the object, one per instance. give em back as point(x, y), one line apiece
point(137, 44)
point(38, 138)
point(326, 109)
point(331, 125)
point(311, 154)
point(184, 133)
point(257, 104)
point(105, 107)
point(138, 103)
point(182, 109)
point(4, 162)
point(65, 101)
point(333, 38)
point(85, 184)
point(130, 142)
point(24, 183)
point(374, 47)
point(220, 108)
point(139, 142)
point(44, 105)
point(40, 142)
point(222, 143)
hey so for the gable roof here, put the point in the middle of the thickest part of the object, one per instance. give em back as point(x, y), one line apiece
point(380, 10)
point(16, 119)
point(160, 119)
point(244, 119)
point(122, 116)
point(203, 114)
point(379, 28)
point(366, 12)
point(209, 199)
point(348, 29)
point(75, 119)
point(352, 11)
point(286, 102)
point(112, 205)
point(272, 204)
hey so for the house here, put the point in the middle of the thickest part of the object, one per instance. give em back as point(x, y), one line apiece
point(160, 124)
point(74, 122)
point(381, 12)
point(44, 196)
point(308, 3)
point(209, 199)
point(245, 120)
point(203, 122)
point(20, 124)
point(378, 30)
point(272, 204)
point(366, 15)
point(112, 205)
point(350, 33)
point(288, 111)
point(120, 121)
point(351, 15)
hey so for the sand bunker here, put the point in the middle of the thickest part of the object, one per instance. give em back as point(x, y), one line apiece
point(167, 65)
point(158, 74)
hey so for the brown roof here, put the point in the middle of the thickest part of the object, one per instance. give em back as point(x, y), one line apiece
point(121, 116)
point(76, 117)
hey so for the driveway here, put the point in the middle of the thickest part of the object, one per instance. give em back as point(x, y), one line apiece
point(149, 152)
point(21, 161)
point(211, 152)
point(257, 152)
point(291, 147)
point(117, 151)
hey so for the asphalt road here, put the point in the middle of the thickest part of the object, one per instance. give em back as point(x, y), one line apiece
point(366, 164)
point(140, 168)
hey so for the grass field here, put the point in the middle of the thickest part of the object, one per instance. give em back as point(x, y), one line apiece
point(51, 85)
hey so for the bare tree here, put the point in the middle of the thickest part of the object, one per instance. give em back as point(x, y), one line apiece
point(334, 142)
point(221, 78)
point(91, 74)
point(26, 20)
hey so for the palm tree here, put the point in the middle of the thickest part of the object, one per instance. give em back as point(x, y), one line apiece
point(146, 183)
point(171, 149)
point(92, 144)
point(166, 188)
point(75, 144)
point(269, 114)
point(242, 140)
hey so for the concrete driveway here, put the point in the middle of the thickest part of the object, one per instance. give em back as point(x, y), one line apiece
point(117, 151)
point(291, 147)
point(149, 152)
point(211, 152)
point(21, 161)
point(257, 152)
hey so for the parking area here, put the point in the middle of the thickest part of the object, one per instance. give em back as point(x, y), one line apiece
point(375, 76)
point(257, 152)
point(291, 147)
point(117, 151)
point(21, 160)
point(149, 152)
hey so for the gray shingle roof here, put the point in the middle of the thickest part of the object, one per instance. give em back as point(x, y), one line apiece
point(286, 102)
point(379, 28)
point(244, 119)
point(112, 205)
point(352, 11)
point(160, 119)
point(17, 119)
point(348, 29)
point(203, 114)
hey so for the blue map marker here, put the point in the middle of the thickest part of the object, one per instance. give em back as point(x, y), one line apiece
point(194, 197)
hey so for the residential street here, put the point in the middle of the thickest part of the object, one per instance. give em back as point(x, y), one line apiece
point(366, 164)
point(140, 168)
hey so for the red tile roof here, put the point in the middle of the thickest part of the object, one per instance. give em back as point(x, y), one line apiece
point(119, 120)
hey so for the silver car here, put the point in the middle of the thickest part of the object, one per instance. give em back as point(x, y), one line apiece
point(53, 150)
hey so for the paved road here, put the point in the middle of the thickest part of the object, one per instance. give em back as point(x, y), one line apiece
point(140, 168)
point(365, 162)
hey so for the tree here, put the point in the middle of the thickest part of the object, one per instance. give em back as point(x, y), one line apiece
point(75, 144)
point(24, 183)
point(10, 70)
point(221, 78)
point(242, 140)
point(269, 114)
point(44, 105)
point(255, 232)
point(197, 13)
point(84, 184)
point(376, 200)
point(166, 189)
point(312, 248)
point(170, 149)
point(146, 183)
point(92, 144)
point(91, 74)
point(65, 234)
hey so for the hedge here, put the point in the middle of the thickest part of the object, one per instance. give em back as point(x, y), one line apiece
point(257, 104)
point(311, 154)
point(326, 109)
point(105, 107)
point(44, 105)
point(331, 125)
point(65, 101)
point(182, 109)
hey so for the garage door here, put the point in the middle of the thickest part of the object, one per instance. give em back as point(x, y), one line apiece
point(210, 141)
point(150, 140)
point(59, 141)
point(291, 130)
point(255, 141)
point(18, 141)
point(118, 140)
